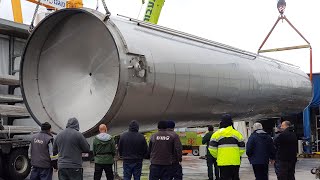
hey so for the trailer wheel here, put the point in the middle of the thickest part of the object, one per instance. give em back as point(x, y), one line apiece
point(195, 152)
point(18, 164)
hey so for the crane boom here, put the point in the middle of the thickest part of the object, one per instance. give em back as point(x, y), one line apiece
point(69, 4)
point(153, 11)
point(17, 12)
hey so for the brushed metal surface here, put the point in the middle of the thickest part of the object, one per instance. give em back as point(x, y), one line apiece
point(77, 65)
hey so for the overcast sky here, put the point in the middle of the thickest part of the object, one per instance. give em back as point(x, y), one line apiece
point(240, 23)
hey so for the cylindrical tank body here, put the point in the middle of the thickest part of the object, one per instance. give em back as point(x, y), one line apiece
point(76, 64)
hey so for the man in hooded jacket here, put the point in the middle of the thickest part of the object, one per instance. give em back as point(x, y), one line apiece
point(104, 150)
point(260, 151)
point(69, 145)
point(132, 149)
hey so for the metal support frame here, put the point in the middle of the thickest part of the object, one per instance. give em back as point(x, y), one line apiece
point(283, 17)
point(12, 71)
point(11, 55)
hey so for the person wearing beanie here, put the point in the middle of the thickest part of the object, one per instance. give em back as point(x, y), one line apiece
point(211, 161)
point(260, 151)
point(69, 145)
point(227, 146)
point(132, 149)
point(177, 158)
point(161, 152)
point(41, 154)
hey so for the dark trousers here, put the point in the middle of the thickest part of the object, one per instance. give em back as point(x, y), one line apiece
point(287, 170)
point(229, 172)
point(162, 172)
point(210, 163)
point(261, 171)
point(132, 168)
point(176, 172)
point(70, 174)
point(41, 173)
point(277, 167)
point(98, 168)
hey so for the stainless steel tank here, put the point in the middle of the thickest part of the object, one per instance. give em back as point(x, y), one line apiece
point(76, 64)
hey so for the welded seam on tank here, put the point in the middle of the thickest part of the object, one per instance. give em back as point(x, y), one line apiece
point(154, 74)
point(173, 91)
point(188, 83)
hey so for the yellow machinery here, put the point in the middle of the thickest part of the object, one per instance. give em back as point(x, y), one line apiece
point(17, 11)
point(153, 11)
point(70, 4)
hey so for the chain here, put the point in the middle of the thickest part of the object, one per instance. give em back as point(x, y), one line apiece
point(106, 8)
point(31, 27)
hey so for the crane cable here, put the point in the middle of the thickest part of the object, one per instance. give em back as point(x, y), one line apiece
point(31, 27)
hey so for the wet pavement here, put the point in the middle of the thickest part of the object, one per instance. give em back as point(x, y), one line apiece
point(196, 169)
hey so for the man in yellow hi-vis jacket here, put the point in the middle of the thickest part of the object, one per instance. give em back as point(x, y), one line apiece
point(227, 146)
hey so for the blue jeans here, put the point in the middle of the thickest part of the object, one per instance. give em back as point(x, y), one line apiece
point(132, 168)
point(41, 173)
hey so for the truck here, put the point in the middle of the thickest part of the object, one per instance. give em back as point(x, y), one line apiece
point(14, 142)
point(14, 161)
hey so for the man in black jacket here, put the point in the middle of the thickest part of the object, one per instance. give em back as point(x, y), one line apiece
point(211, 161)
point(177, 158)
point(132, 149)
point(162, 147)
point(260, 151)
point(287, 144)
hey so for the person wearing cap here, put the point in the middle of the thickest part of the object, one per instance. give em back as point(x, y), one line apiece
point(41, 154)
point(161, 150)
point(132, 149)
point(177, 158)
point(69, 145)
point(211, 161)
point(227, 146)
point(104, 150)
point(260, 151)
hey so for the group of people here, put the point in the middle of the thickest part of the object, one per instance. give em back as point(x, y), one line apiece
point(226, 146)
point(64, 153)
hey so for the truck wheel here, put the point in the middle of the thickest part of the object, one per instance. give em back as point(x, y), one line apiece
point(195, 152)
point(18, 164)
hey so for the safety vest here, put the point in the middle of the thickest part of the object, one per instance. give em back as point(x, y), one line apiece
point(227, 146)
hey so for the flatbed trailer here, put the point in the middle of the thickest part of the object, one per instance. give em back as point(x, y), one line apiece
point(14, 161)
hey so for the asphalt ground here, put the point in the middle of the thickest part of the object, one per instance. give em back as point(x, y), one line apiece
point(195, 168)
